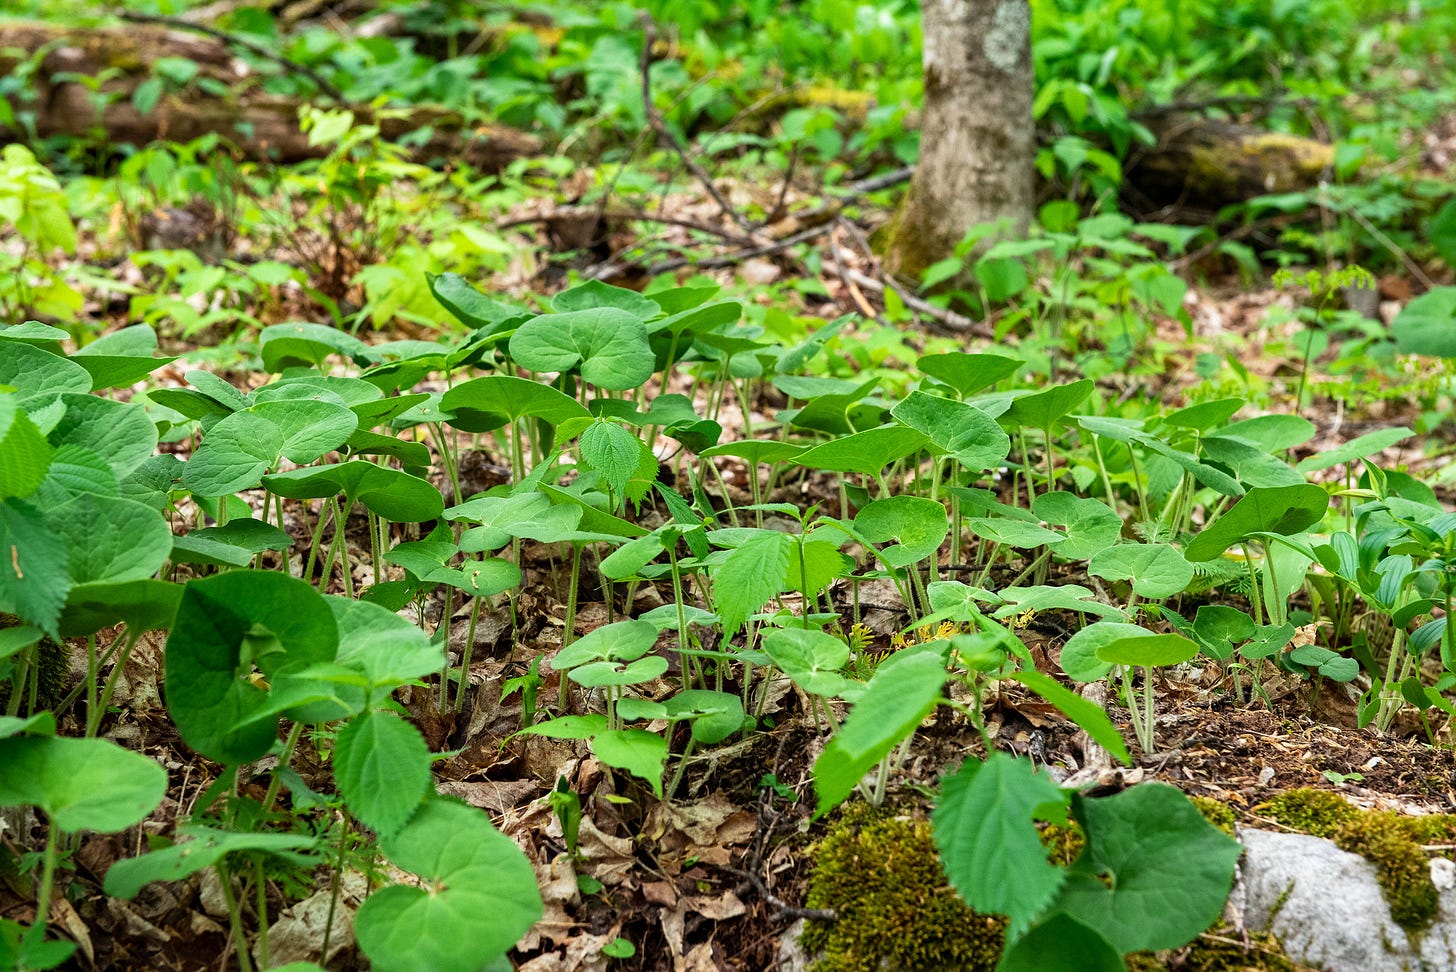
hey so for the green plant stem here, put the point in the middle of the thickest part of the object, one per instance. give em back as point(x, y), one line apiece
point(682, 765)
point(728, 506)
point(260, 887)
point(93, 717)
point(336, 887)
point(275, 781)
point(1102, 468)
point(570, 628)
point(314, 541)
point(49, 859)
point(1254, 596)
point(1051, 479)
point(235, 919)
point(682, 618)
point(466, 653)
point(447, 457)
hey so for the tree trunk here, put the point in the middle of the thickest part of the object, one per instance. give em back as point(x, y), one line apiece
point(978, 140)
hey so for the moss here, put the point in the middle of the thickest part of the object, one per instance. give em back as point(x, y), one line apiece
point(1215, 812)
point(1400, 864)
point(1318, 813)
point(1230, 949)
point(1435, 828)
point(882, 876)
point(55, 670)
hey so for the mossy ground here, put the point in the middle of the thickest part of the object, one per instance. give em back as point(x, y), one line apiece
point(882, 876)
point(880, 873)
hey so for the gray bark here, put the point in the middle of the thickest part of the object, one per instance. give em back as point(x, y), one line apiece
point(978, 141)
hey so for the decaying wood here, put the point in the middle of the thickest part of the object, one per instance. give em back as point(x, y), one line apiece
point(262, 126)
point(1204, 163)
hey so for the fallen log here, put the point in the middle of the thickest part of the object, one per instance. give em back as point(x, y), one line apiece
point(1204, 163)
point(223, 97)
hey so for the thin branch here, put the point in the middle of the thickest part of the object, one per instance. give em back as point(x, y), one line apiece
point(948, 320)
point(665, 135)
point(842, 265)
point(738, 256)
point(247, 45)
point(630, 214)
point(782, 908)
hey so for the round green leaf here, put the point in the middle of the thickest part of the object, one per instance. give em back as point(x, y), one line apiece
point(639, 752)
point(1149, 650)
point(919, 524)
point(310, 428)
point(607, 345)
point(33, 371)
point(1170, 869)
point(1080, 658)
point(1155, 569)
point(234, 455)
point(715, 715)
point(226, 626)
point(81, 784)
point(1277, 509)
point(111, 539)
point(389, 493)
point(479, 895)
point(964, 431)
point(618, 641)
point(488, 403)
point(968, 373)
point(119, 432)
point(143, 605)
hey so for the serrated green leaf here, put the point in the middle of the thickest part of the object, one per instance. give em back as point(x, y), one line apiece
point(985, 829)
point(382, 768)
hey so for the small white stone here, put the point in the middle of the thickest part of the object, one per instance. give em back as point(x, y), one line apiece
point(1443, 873)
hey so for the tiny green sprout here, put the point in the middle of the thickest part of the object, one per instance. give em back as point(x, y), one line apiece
point(1340, 778)
point(619, 948)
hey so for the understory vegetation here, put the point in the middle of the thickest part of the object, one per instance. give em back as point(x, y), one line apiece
point(590, 558)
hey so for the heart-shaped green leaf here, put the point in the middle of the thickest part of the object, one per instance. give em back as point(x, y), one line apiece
point(1278, 509)
point(606, 345)
point(486, 404)
point(1155, 569)
point(81, 784)
point(1170, 869)
point(226, 626)
point(919, 524)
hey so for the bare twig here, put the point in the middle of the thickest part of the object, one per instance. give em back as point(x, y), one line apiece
point(842, 266)
point(247, 45)
point(777, 212)
point(578, 211)
point(665, 135)
point(947, 320)
point(738, 256)
point(781, 908)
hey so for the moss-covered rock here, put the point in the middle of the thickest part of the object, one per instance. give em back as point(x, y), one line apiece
point(1400, 864)
point(882, 877)
point(1215, 812)
point(1393, 844)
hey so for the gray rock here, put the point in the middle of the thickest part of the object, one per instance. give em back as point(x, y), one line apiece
point(1326, 907)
